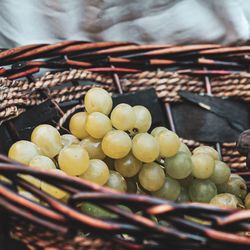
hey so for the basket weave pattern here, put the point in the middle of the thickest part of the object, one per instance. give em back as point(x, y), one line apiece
point(118, 67)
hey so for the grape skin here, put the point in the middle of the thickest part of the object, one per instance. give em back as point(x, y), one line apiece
point(170, 190)
point(123, 117)
point(48, 139)
point(152, 176)
point(98, 100)
point(98, 125)
point(73, 160)
point(145, 147)
point(116, 144)
point(128, 166)
point(97, 172)
point(143, 119)
point(23, 151)
point(77, 125)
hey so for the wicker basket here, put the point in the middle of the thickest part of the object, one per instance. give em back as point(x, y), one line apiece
point(120, 68)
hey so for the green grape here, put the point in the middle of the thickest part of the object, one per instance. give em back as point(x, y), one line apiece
point(4, 179)
point(158, 130)
point(207, 150)
point(169, 143)
point(170, 189)
point(131, 185)
point(236, 176)
point(123, 117)
point(110, 163)
point(225, 201)
point(184, 148)
point(128, 166)
point(221, 173)
point(143, 119)
point(145, 147)
point(77, 125)
point(96, 211)
point(32, 180)
point(203, 165)
point(202, 190)
point(48, 139)
point(73, 160)
point(52, 190)
point(23, 151)
point(152, 176)
point(247, 201)
point(97, 172)
point(235, 185)
point(93, 147)
point(116, 182)
point(116, 144)
point(68, 139)
point(179, 166)
point(65, 198)
point(183, 196)
point(186, 182)
point(98, 100)
point(42, 162)
point(98, 125)
point(29, 196)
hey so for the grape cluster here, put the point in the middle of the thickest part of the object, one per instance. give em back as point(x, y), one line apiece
point(113, 148)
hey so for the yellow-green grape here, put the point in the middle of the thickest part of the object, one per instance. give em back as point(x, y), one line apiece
point(98, 100)
point(152, 177)
point(73, 160)
point(221, 173)
point(52, 190)
point(236, 176)
point(207, 150)
point(179, 166)
point(225, 201)
point(68, 139)
point(116, 182)
point(116, 144)
point(98, 125)
point(184, 148)
point(158, 130)
point(23, 151)
point(145, 147)
point(235, 185)
point(128, 166)
point(203, 165)
point(123, 117)
point(42, 162)
point(96, 211)
point(32, 180)
point(28, 195)
point(4, 179)
point(202, 190)
point(143, 119)
point(169, 143)
point(77, 125)
point(247, 201)
point(48, 139)
point(170, 189)
point(65, 199)
point(93, 147)
point(183, 196)
point(97, 172)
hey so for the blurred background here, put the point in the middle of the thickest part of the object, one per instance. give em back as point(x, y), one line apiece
point(147, 21)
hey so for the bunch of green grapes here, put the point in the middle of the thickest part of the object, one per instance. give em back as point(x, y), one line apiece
point(112, 147)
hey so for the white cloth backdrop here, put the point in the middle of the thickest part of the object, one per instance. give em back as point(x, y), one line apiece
point(143, 21)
